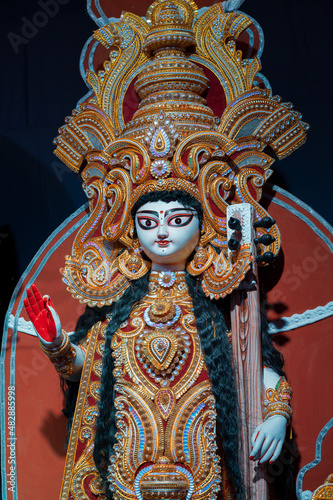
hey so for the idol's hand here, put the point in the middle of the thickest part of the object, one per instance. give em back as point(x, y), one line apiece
point(268, 438)
point(43, 316)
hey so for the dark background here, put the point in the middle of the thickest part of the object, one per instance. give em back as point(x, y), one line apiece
point(41, 84)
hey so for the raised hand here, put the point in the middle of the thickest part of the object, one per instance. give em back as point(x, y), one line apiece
point(268, 438)
point(43, 315)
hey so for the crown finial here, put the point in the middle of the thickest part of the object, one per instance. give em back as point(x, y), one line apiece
point(170, 26)
point(171, 81)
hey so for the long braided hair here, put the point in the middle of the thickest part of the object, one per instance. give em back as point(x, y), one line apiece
point(212, 331)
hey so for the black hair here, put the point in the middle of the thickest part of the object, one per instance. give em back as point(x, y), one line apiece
point(212, 330)
point(86, 321)
point(105, 437)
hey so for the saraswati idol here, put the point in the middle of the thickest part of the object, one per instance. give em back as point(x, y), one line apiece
point(175, 390)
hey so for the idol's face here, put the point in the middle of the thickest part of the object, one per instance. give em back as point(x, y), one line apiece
point(168, 233)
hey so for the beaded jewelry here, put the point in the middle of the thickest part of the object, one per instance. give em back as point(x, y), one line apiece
point(62, 357)
point(277, 401)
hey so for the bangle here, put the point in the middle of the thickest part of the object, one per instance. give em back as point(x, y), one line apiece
point(278, 409)
point(62, 357)
point(54, 352)
point(277, 401)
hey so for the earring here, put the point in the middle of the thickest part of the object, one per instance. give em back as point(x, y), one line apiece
point(131, 264)
point(202, 259)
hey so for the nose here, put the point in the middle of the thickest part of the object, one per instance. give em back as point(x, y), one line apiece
point(162, 232)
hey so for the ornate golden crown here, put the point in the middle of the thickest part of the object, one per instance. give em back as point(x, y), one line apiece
point(173, 141)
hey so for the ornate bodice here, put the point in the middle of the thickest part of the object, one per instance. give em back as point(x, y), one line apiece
point(165, 406)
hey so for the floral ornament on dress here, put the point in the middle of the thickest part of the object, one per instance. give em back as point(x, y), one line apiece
point(166, 278)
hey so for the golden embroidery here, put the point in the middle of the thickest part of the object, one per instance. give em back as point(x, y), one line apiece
point(82, 430)
point(156, 371)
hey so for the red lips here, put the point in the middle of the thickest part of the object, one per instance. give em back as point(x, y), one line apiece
point(163, 243)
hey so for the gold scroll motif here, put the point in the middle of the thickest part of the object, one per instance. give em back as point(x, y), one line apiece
point(165, 418)
point(82, 471)
point(164, 415)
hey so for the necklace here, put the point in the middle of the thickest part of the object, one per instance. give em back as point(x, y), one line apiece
point(167, 283)
point(163, 350)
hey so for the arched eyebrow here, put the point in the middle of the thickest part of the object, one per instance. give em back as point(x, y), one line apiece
point(180, 210)
point(171, 210)
point(152, 212)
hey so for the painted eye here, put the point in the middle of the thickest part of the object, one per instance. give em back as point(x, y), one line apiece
point(147, 222)
point(180, 220)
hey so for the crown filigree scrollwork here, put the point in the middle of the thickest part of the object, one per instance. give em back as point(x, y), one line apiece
point(91, 273)
point(256, 114)
point(88, 129)
point(110, 84)
point(174, 140)
point(216, 35)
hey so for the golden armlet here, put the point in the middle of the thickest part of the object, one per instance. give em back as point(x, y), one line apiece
point(277, 401)
point(62, 357)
